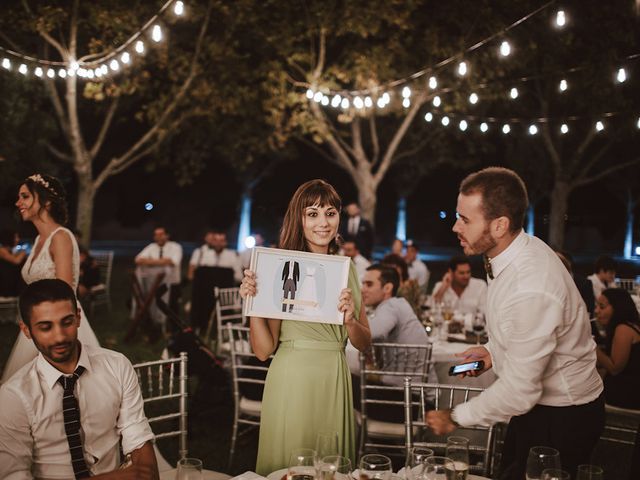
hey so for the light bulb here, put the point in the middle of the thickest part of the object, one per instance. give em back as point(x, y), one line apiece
point(335, 101)
point(104, 69)
point(90, 74)
point(62, 73)
point(51, 73)
point(463, 125)
point(125, 58)
point(563, 85)
point(433, 83)
point(344, 103)
point(564, 128)
point(178, 8)
point(325, 101)
point(368, 102)
point(114, 65)
point(317, 97)
point(358, 103)
point(429, 116)
point(139, 46)
point(561, 18)
point(23, 69)
point(437, 101)
point(513, 93)
point(599, 126)
point(156, 33)
point(484, 127)
point(309, 93)
point(406, 92)
point(505, 49)
point(462, 69)
point(506, 128)
point(386, 98)
point(406, 103)
point(638, 124)
point(74, 65)
point(380, 103)
point(6, 63)
point(71, 73)
point(82, 72)
point(473, 98)
point(445, 121)
point(38, 72)
point(533, 130)
point(98, 72)
point(621, 76)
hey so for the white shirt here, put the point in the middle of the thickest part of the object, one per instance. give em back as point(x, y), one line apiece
point(539, 337)
point(206, 256)
point(353, 225)
point(419, 271)
point(361, 265)
point(172, 250)
point(598, 285)
point(33, 443)
point(473, 298)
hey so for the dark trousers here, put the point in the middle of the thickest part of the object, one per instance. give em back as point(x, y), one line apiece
point(573, 431)
point(289, 288)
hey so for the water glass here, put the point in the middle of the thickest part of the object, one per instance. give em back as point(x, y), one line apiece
point(589, 472)
point(440, 468)
point(458, 451)
point(326, 443)
point(189, 469)
point(555, 474)
point(335, 467)
point(374, 466)
point(541, 458)
point(303, 464)
point(415, 468)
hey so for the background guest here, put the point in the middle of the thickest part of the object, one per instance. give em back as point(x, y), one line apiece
point(465, 293)
point(349, 249)
point(408, 289)
point(604, 275)
point(10, 264)
point(358, 229)
point(89, 274)
point(417, 268)
point(397, 247)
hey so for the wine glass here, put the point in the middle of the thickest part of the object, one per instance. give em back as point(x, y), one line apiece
point(334, 467)
point(539, 459)
point(458, 451)
point(374, 466)
point(478, 325)
point(555, 474)
point(303, 464)
point(189, 469)
point(416, 463)
point(326, 443)
point(440, 468)
point(589, 472)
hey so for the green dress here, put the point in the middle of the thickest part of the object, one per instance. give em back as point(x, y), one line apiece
point(308, 390)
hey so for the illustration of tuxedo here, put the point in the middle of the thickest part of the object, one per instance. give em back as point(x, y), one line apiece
point(290, 278)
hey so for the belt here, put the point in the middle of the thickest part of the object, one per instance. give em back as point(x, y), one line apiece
point(311, 345)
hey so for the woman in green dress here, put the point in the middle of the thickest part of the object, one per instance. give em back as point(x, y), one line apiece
point(308, 386)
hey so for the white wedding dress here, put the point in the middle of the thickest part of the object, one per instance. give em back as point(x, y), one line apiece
point(37, 269)
point(309, 294)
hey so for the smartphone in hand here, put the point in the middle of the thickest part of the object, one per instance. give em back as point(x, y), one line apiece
point(466, 367)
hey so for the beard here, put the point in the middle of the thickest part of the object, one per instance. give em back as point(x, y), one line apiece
point(480, 246)
point(50, 354)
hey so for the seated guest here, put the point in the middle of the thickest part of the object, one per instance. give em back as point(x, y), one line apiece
point(89, 274)
point(604, 276)
point(465, 293)
point(620, 359)
point(409, 289)
point(397, 247)
point(67, 412)
point(10, 264)
point(349, 249)
point(417, 268)
point(211, 265)
point(585, 287)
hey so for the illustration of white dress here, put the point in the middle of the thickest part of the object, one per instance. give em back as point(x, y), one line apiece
point(309, 295)
point(37, 269)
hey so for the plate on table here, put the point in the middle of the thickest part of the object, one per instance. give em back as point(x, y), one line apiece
point(469, 476)
point(356, 475)
point(278, 474)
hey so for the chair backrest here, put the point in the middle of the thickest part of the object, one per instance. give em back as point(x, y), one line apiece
point(8, 310)
point(421, 397)
point(104, 261)
point(248, 373)
point(228, 309)
point(628, 284)
point(164, 389)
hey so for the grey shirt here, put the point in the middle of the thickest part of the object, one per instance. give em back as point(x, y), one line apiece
point(394, 321)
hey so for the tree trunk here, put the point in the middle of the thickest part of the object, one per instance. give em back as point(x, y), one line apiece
point(558, 214)
point(628, 237)
point(84, 215)
point(367, 190)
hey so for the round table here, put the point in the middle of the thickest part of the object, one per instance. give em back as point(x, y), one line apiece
point(206, 475)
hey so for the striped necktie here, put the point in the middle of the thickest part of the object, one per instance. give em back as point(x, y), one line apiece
point(71, 415)
point(487, 266)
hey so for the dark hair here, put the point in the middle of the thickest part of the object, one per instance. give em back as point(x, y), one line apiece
point(50, 191)
point(624, 311)
point(47, 290)
point(396, 261)
point(503, 194)
point(313, 192)
point(7, 237)
point(388, 274)
point(458, 260)
point(605, 263)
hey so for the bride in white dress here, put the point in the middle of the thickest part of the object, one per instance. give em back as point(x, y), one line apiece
point(55, 254)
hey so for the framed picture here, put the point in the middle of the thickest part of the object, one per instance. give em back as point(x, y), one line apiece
point(294, 285)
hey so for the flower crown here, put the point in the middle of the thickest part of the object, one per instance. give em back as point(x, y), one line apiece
point(37, 178)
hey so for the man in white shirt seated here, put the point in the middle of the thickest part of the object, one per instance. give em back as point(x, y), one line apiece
point(463, 292)
point(349, 249)
point(540, 343)
point(417, 268)
point(604, 276)
point(65, 413)
point(163, 256)
point(214, 253)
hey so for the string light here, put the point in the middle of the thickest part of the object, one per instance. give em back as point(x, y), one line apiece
point(358, 103)
point(638, 124)
point(484, 127)
point(462, 69)
point(429, 116)
point(599, 126)
point(506, 128)
point(125, 58)
point(23, 69)
point(564, 128)
point(38, 72)
point(62, 73)
point(561, 18)
point(367, 102)
point(324, 101)
point(51, 73)
point(114, 65)
point(139, 47)
point(621, 76)
point(335, 101)
point(309, 93)
point(71, 73)
point(433, 83)
point(505, 49)
point(473, 98)
point(406, 103)
point(445, 121)
point(437, 101)
point(513, 93)
point(156, 33)
point(386, 97)
point(463, 125)
point(533, 130)
point(563, 85)
point(344, 103)
point(406, 92)
point(317, 97)
point(178, 8)
point(6, 63)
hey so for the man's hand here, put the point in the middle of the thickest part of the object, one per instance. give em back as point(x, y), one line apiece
point(474, 354)
point(439, 421)
point(446, 279)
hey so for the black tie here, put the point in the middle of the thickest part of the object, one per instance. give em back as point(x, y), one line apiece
point(160, 254)
point(71, 415)
point(487, 266)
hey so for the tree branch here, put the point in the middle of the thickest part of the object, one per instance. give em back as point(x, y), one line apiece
point(604, 173)
point(319, 150)
point(322, 51)
point(58, 154)
point(412, 151)
point(373, 131)
point(584, 170)
point(342, 158)
point(59, 109)
point(575, 159)
point(356, 139)
point(105, 127)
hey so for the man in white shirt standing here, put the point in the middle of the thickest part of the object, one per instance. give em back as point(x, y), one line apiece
point(540, 343)
point(65, 413)
point(418, 270)
point(464, 293)
point(349, 249)
point(214, 253)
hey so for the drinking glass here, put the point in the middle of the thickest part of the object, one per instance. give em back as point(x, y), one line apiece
point(539, 459)
point(326, 443)
point(458, 451)
point(335, 467)
point(589, 472)
point(303, 464)
point(555, 474)
point(189, 469)
point(478, 326)
point(415, 468)
point(440, 468)
point(374, 466)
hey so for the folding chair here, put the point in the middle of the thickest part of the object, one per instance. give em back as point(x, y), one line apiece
point(8, 310)
point(248, 374)
point(101, 293)
point(417, 401)
point(628, 284)
point(381, 414)
point(228, 309)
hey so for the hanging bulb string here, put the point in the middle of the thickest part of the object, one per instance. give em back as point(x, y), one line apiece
point(496, 119)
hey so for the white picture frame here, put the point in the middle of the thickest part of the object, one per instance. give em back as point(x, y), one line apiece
point(305, 285)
